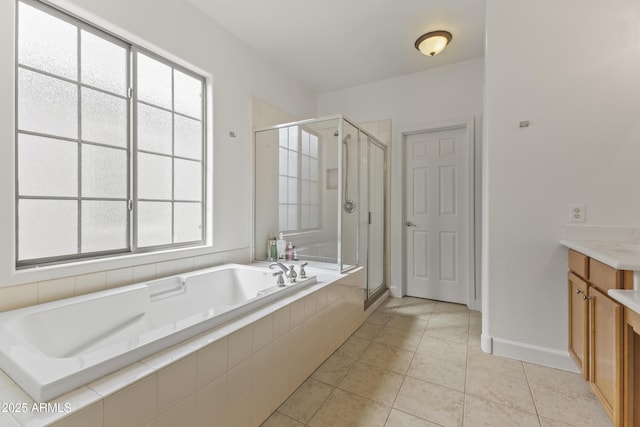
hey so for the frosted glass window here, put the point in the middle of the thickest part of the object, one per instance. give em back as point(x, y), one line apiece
point(293, 138)
point(47, 167)
point(293, 190)
point(314, 193)
point(304, 217)
point(47, 228)
point(304, 193)
point(46, 42)
point(282, 191)
point(187, 137)
point(154, 81)
point(104, 226)
point(104, 63)
point(104, 172)
point(154, 129)
point(305, 143)
point(293, 163)
point(154, 223)
point(47, 105)
point(154, 177)
point(283, 137)
point(292, 217)
point(81, 138)
point(104, 118)
point(313, 170)
point(188, 180)
point(299, 175)
point(187, 225)
point(187, 95)
point(283, 162)
point(304, 164)
point(282, 218)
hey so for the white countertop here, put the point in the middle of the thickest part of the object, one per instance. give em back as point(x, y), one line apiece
point(630, 299)
point(619, 255)
point(616, 246)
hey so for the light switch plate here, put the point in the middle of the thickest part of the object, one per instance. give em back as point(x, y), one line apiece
point(577, 213)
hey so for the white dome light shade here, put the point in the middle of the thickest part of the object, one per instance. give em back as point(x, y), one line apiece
point(433, 43)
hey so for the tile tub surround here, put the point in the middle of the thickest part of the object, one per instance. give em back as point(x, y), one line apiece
point(53, 348)
point(237, 374)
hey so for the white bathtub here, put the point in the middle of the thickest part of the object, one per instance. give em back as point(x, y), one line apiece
point(50, 349)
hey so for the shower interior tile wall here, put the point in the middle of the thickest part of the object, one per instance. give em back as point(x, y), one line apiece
point(13, 297)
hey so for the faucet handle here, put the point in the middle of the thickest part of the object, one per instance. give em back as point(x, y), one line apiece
point(292, 274)
point(280, 281)
point(303, 274)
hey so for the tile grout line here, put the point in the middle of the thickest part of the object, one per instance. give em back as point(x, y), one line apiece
point(466, 372)
point(533, 398)
point(320, 406)
point(404, 378)
point(336, 386)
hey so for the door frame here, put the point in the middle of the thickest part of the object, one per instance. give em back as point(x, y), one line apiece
point(398, 250)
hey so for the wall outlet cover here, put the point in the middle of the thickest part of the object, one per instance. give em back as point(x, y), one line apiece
point(577, 213)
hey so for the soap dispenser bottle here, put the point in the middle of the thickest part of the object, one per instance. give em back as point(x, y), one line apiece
point(273, 250)
point(289, 255)
point(281, 246)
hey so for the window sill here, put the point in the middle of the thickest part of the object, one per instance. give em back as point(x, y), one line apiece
point(35, 274)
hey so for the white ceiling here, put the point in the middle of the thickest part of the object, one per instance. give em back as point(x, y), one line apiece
point(334, 44)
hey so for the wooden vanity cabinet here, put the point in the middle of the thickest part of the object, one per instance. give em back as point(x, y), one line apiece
point(579, 323)
point(579, 264)
point(631, 368)
point(605, 363)
point(596, 329)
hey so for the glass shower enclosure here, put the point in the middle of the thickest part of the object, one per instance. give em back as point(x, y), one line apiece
point(321, 183)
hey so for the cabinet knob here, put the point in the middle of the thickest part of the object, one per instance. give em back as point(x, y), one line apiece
point(578, 291)
point(585, 297)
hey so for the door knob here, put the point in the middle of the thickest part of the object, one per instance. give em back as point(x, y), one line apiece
point(410, 224)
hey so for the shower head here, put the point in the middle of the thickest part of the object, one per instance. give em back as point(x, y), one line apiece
point(345, 139)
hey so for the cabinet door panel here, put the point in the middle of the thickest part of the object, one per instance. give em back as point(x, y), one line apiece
point(606, 351)
point(631, 369)
point(578, 323)
point(579, 264)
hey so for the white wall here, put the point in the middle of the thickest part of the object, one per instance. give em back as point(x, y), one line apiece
point(423, 99)
point(428, 96)
point(573, 69)
point(237, 73)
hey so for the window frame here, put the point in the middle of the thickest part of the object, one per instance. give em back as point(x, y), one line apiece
point(131, 149)
point(299, 205)
point(135, 50)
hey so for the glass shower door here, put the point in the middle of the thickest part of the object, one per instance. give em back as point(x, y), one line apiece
point(376, 187)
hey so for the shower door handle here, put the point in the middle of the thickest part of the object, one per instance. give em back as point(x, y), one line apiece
point(410, 224)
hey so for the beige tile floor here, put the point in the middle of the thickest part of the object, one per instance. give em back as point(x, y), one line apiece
point(417, 363)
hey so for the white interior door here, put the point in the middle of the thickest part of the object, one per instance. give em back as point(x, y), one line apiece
point(438, 214)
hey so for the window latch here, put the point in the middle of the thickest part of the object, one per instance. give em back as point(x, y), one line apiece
point(130, 93)
point(130, 204)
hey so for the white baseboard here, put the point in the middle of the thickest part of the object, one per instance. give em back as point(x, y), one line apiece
point(531, 353)
point(486, 343)
point(395, 291)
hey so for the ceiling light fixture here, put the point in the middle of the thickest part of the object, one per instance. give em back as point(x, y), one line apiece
point(433, 43)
